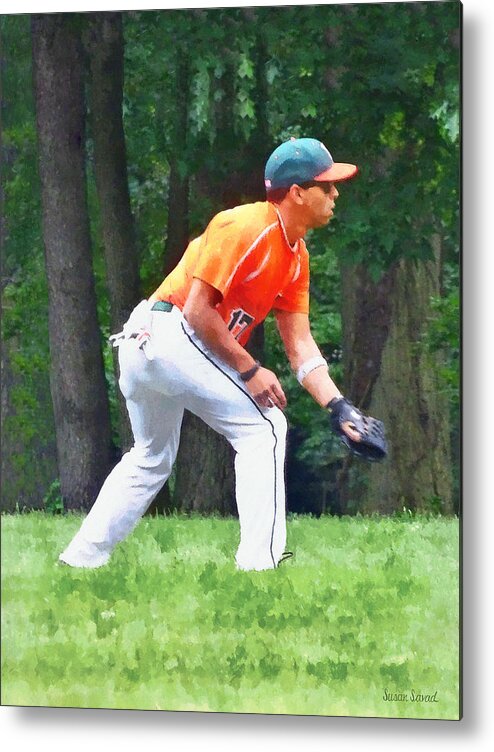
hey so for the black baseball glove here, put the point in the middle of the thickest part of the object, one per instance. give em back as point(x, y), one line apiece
point(372, 445)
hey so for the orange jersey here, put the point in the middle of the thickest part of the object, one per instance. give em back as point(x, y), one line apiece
point(244, 253)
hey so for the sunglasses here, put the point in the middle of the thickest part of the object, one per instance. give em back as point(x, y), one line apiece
point(326, 187)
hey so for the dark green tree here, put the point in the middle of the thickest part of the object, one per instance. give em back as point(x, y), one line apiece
point(78, 387)
point(29, 461)
point(105, 50)
point(380, 87)
point(207, 95)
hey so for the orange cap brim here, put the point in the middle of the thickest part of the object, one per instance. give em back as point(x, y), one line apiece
point(338, 171)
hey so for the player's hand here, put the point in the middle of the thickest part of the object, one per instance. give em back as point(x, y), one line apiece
point(266, 389)
point(362, 434)
point(351, 431)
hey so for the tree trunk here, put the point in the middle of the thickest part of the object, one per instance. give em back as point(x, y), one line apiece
point(205, 477)
point(105, 45)
point(173, 146)
point(392, 377)
point(204, 469)
point(77, 381)
point(177, 234)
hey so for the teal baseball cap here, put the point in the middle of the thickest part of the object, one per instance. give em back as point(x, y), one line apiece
point(304, 160)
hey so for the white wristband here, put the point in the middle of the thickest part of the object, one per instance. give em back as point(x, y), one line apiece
point(309, 366)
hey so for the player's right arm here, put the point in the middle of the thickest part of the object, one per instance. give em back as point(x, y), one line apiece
point(200, 312)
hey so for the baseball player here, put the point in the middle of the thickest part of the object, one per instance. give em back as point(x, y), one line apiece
point(184, 348)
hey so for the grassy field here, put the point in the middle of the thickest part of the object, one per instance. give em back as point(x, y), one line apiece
point(363, 621)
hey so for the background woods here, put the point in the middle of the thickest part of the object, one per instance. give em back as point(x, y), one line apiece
point(124, 133)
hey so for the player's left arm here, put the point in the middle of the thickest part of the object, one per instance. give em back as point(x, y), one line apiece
point(304, 355)
point(363, 435)
point(301, 348)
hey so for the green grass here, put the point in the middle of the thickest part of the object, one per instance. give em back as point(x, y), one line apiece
point(367, 605)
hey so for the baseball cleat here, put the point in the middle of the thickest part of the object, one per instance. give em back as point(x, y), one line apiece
point(285, 555)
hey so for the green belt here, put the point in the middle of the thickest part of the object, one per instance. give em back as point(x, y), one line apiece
point(162, 305)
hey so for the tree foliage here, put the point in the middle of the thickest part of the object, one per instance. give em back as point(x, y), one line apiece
point(378, 84)
point(27, 419)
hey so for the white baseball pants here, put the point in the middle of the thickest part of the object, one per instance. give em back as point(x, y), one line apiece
point(163, 371)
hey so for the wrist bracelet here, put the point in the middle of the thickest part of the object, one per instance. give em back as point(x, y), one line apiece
point(310, 365)
point(247, 375)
